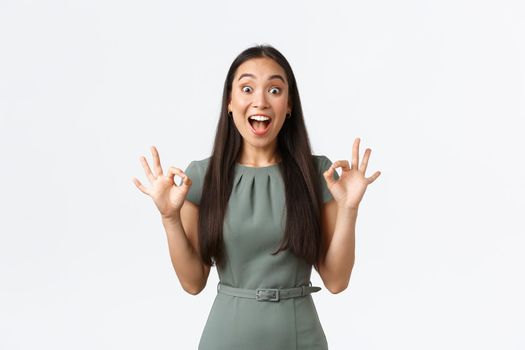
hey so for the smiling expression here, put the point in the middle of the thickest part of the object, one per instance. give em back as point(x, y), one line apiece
point(260, 89)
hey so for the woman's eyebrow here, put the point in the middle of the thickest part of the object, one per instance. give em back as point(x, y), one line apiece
point(275, 76)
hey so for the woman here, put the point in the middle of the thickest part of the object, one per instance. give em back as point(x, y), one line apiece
point(264, 210)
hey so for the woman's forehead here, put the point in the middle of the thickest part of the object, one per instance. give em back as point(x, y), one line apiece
point(260, 69)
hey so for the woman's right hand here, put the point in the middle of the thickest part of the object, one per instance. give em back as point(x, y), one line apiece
point(167, 195)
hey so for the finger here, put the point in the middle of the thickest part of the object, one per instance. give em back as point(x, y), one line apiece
point(355, 153)
point(186, 181)
point(364, 162)
point(147, 170)
point(373, 177)
point(343, 164)
point(329, 175)
point(156, 161)
point(140, 186)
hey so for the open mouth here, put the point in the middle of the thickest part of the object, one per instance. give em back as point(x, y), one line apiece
point(260, 124)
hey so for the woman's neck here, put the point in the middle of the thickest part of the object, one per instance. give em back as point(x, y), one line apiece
point(256, 156)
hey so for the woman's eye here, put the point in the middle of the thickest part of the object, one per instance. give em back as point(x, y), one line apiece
point(274, 90)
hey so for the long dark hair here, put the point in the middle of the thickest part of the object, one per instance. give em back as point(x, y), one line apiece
point(302, 189)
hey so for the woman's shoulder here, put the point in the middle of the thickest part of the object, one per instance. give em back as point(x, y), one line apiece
point(197, 168)
point(319, 157)
point(196, 171)
point(322, 162)
point(201, 162)
point(198, 165)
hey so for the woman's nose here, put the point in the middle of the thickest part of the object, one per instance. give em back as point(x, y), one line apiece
point(260, 99)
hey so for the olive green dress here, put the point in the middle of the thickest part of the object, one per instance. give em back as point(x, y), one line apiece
point(253, 228)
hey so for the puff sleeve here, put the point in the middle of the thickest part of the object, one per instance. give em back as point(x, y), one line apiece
point(324, 163)
point(195, 172)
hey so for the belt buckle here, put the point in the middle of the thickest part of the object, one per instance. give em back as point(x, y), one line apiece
point(268, 294)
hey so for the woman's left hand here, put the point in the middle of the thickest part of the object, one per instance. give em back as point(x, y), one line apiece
point(349, 189)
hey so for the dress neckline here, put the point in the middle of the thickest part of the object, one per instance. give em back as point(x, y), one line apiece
point(237, 164)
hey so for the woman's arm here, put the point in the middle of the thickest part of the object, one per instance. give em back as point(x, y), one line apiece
point(340, 215)
point(338, 229)
point(182, 234)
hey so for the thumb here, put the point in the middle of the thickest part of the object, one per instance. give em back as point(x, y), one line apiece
point(329, 176)
point(186, 181)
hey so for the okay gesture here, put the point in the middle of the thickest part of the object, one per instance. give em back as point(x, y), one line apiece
point(349, 189)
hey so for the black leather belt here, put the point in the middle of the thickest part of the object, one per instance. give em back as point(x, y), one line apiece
point(267, 294)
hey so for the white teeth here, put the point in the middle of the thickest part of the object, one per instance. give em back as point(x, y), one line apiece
point(259, 117)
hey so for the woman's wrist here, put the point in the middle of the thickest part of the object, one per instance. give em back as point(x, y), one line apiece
point(172, 218)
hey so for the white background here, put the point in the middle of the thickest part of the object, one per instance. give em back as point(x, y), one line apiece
point(434, 88)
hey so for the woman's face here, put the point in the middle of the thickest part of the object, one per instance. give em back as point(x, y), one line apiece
point(259, 88)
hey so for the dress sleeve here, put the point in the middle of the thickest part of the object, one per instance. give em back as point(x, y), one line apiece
point(325, 163)
point(195, 173)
